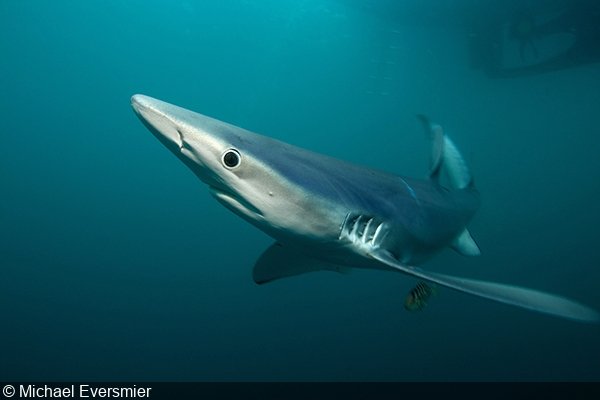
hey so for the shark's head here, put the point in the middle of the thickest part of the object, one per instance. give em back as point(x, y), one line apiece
point(212, 149)
point(242, 169)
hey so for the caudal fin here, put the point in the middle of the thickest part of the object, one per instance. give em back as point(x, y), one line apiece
point(446, 157)
point(513, 295)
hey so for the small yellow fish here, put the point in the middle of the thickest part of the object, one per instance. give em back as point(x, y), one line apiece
point(418, 296)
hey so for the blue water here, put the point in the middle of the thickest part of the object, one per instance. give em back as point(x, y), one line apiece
point(115, 262)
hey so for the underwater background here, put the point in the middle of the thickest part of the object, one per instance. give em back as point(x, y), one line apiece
point(116, 263)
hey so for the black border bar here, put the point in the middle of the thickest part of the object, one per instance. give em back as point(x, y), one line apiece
point(319, 390)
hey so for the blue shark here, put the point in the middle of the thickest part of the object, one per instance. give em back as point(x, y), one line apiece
point(329, 214)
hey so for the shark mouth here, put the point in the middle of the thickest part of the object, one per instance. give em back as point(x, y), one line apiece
point(235, 203)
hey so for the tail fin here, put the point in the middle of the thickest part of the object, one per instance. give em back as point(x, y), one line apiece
point(445, 155)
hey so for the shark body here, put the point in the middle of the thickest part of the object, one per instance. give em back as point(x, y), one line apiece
point(328, 214)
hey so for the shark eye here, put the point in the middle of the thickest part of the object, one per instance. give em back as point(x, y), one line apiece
point(231, 158)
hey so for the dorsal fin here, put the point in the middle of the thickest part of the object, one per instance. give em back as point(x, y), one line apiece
point(436, 135)
point(446, 155)
point(455, 165)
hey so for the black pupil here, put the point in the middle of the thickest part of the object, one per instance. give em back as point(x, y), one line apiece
point(231, 159)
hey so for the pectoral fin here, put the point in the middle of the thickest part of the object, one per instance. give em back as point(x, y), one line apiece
point(513, 295)
point(280, 261)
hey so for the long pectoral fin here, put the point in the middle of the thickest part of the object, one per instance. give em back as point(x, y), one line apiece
point(280, 261)
point(513, 295)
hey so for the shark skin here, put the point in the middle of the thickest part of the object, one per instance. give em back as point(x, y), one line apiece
point(329, 214)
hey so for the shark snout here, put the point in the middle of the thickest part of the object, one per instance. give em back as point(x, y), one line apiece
point(139, 101)
point(160, 117)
